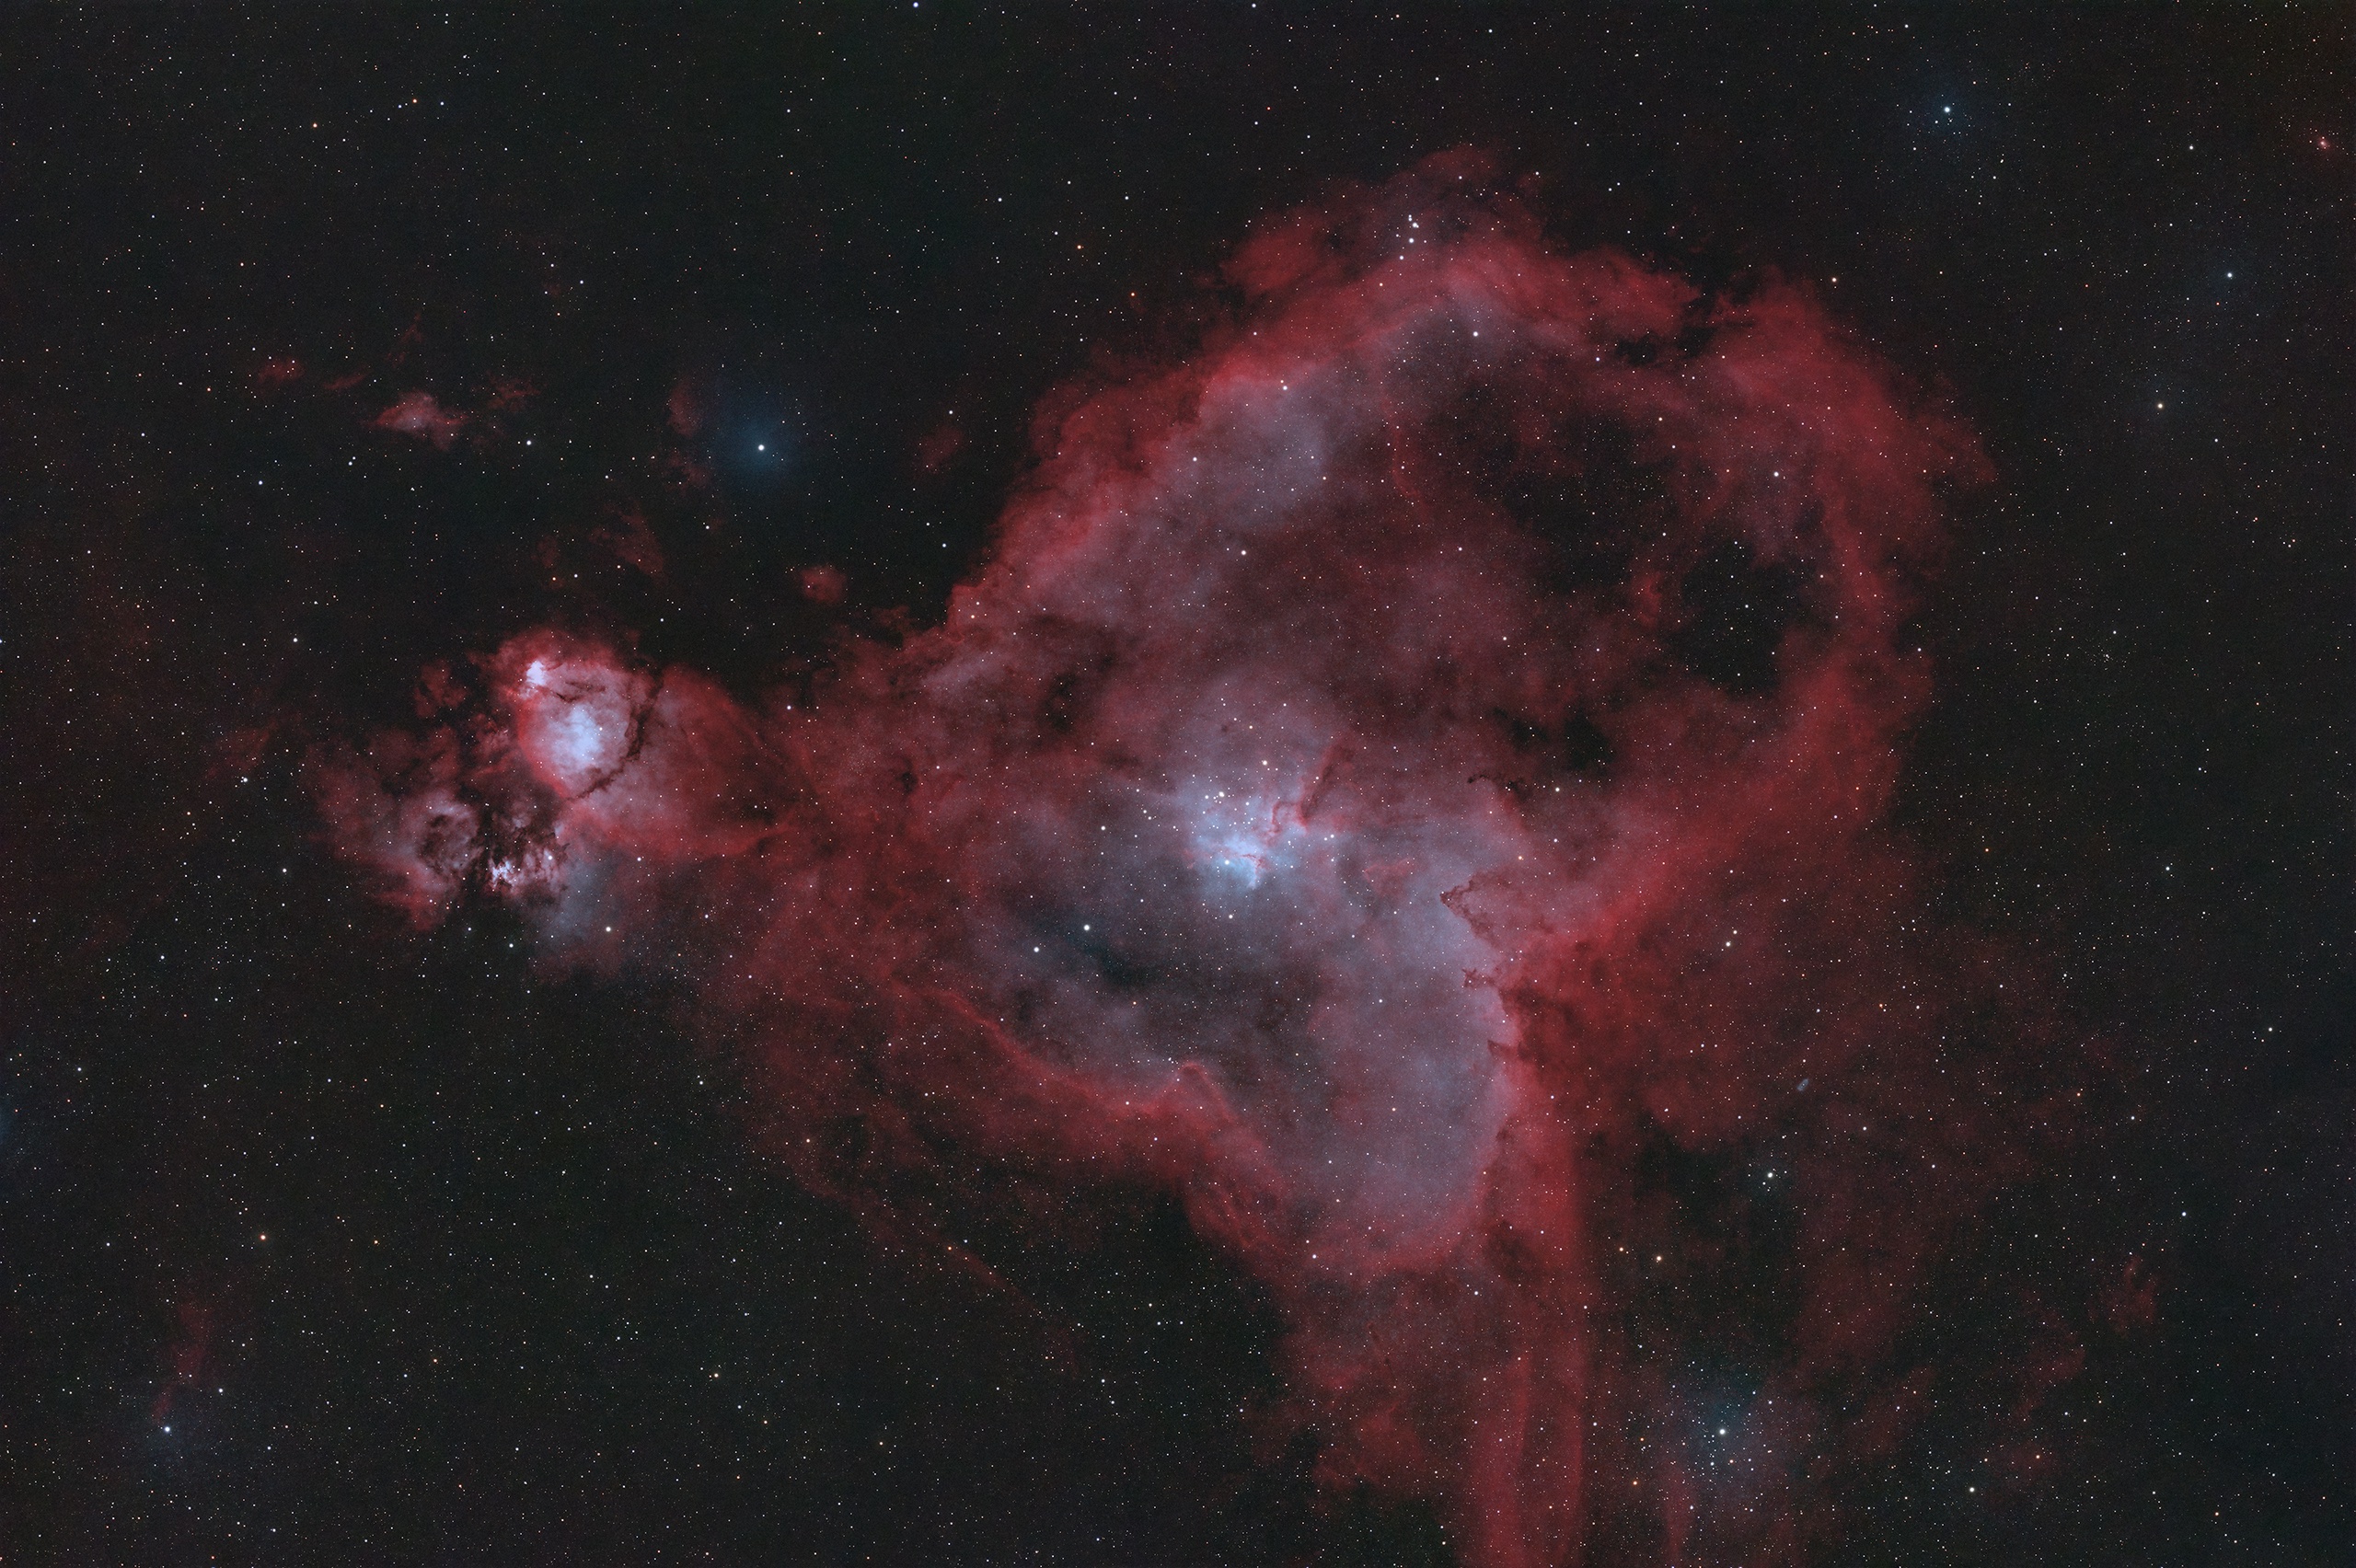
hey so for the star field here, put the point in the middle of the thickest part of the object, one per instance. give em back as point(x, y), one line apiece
point(945, 1022)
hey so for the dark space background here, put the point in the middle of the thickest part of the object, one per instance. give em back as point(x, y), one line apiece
point(324, 1241)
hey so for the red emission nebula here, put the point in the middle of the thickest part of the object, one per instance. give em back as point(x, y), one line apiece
point(1410, 782)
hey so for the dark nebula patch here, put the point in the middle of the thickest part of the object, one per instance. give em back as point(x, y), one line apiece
point(1733, 615)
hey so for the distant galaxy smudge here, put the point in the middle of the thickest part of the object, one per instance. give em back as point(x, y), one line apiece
point(1410, 780)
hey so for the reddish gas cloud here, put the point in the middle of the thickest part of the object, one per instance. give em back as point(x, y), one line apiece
point(422, 415)
point(1409, 781)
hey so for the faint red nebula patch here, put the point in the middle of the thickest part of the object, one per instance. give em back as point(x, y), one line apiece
point(689, 405)
point(941, 445)
point(630, 539)
point(823, 584)
point(420, 415)
point(277, 374)
point(185, 1358)
point(2132, 1303)
point(510, 392)
point(1409, 781)
point(439, 690)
